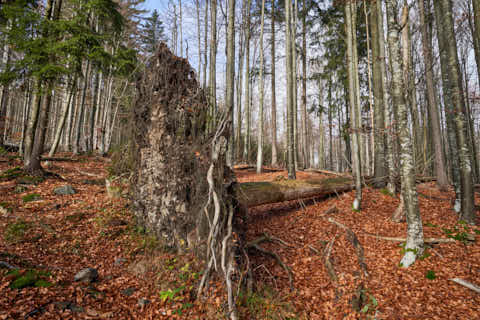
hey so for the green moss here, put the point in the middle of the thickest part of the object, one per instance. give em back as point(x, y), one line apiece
point(12, 173)
point(386, 192)
point(6, 206)
point(31, 278)
point(16, 231)
point(31, 197)
point(30, 179)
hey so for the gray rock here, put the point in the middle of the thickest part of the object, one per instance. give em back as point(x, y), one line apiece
point(128, 292)
point(119, 261)
point(86, 275)
point(68, 305)
point(142, 302)
point(64, 190)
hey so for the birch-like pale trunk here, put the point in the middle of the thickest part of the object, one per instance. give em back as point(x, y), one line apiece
point(354, 99)
point(241, 55)
point(4, 93)
point(262, 93)
point(81, 112)
point(293, 34)
point(205, 48)
point(197, 11)
point(67, 100)
point(414, 245)
point(246, 145)
point(273, 95)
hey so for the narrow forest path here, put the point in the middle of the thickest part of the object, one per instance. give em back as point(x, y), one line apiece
point(390, 291)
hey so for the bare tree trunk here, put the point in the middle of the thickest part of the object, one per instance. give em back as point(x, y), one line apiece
point(4, 92)
point(386, 108)
point(205, 49)
point(440, 170)
point(262, 92)
point(274, 98)
point(305, 143)
point(354, 99)
point(370, 143)
point(414, 244)
point(246, 145)
point(476, 35)
point(459, 113)
point(81, 110)
point(290, 94)
point(67, 100)
point(230, 103)
point(181, 27)
point(380, 170)
point(294, 13)
point(213, 60)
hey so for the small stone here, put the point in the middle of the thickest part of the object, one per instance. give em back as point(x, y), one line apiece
point(62, 305)
point(128, 292)
point(64, 190)
point(142, 302)
point(20, 189)
point(119, 261)
point(75, 308)
point(86, 275)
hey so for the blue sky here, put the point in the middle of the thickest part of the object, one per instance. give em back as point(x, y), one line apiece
point(160, 5)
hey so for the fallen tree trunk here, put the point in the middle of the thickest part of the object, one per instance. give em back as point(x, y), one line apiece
point(333, 173)
point(251, 194)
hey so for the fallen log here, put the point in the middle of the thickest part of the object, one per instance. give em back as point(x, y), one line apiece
point(466, 284)
point(251, 194)
point(333, 173)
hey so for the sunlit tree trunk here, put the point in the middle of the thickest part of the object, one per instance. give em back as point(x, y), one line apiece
point(457, 107)
point(354, 99)
point(205, 49)
point(213, 60)
point(262, 92)
point(274, 98)
point(246, 149)
point(241, 56)
point(67, 100)
point(294, 14)
point(199, 35)
point(414, 244)
point(230, 104)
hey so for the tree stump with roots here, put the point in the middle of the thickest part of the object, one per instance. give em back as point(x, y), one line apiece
point(183, 189)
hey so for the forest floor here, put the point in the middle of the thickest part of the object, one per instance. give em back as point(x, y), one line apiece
point(50, 238)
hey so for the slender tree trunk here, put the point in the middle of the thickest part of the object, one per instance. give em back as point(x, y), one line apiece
point(205, 49)
point(290, 93)
point(294, 14)
point(262, 92)
point(32, 123)
point(458, 109)
point(4, 93)
point(305, 143)
point(67, 100)
point(274, 98)
point(380, 170)
point(476, 35)
point(414, 244)
point(199, 41)
point(241, 55)
point(181, 27)
point(230, 102)
point(389, 151)
point(371, 143)
point(440, 170)
point(246, 149)
point(213, 60)
point(354, 92)
point(81, 110)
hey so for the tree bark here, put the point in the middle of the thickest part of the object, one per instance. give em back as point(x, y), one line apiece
point(305, 143)
point(262, 92)
point(274, 98)
point(246, 145)
point(414, 244)
point(354, 99)
point(440, 170)
point(230, 102)
point(459, 114)
point(290, 95)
